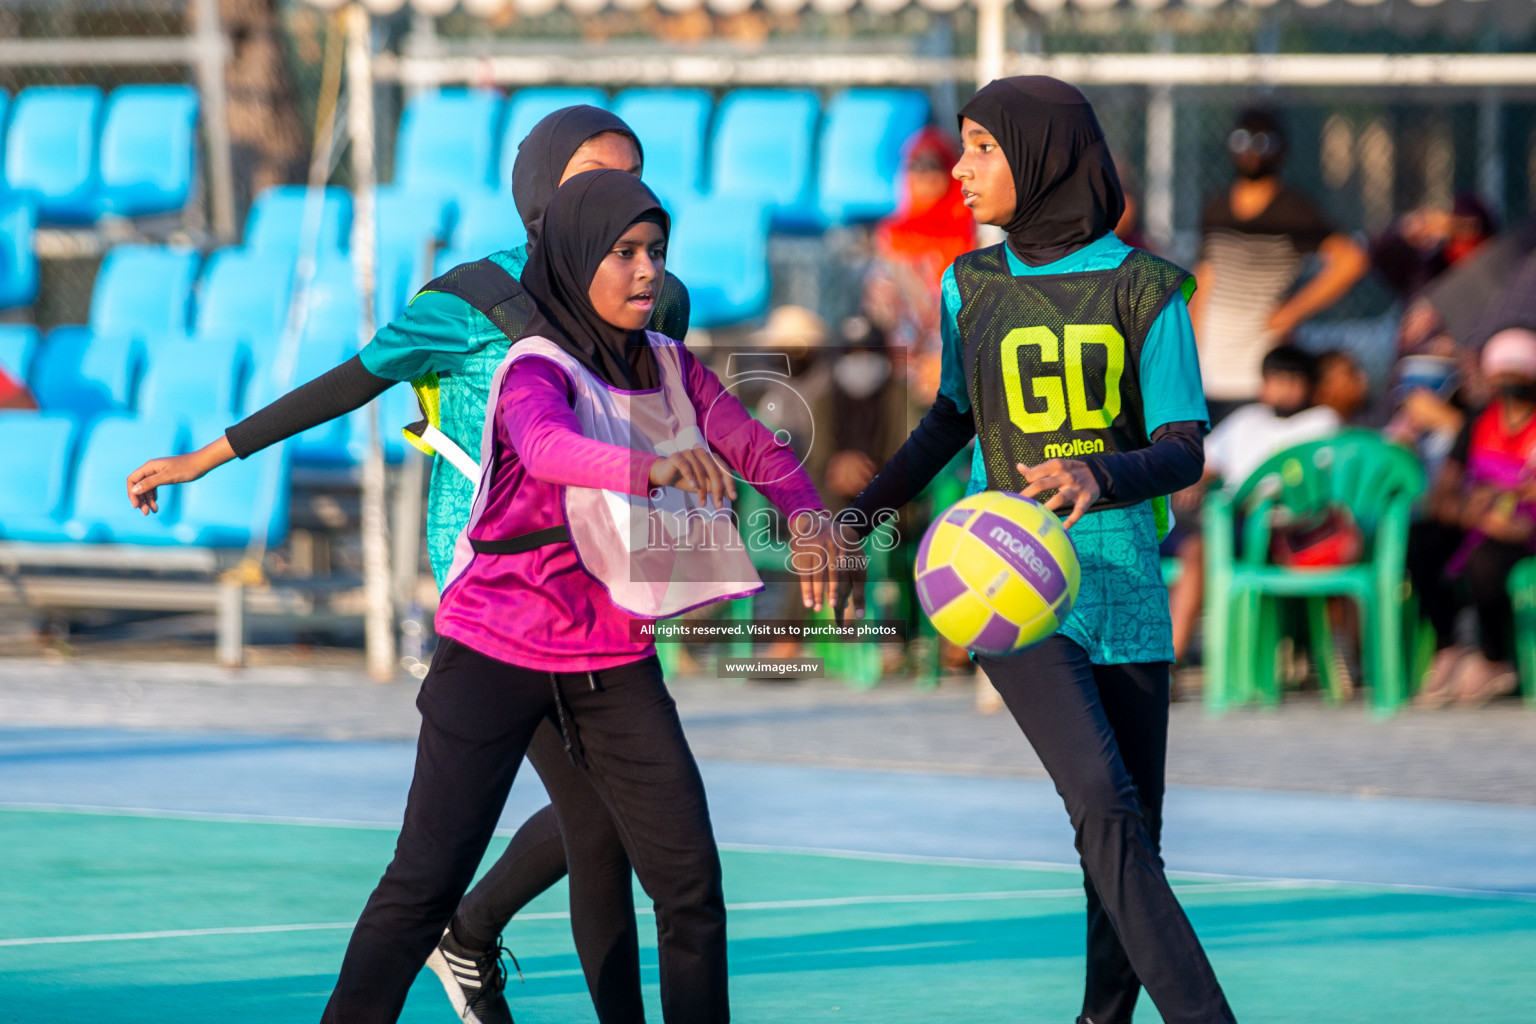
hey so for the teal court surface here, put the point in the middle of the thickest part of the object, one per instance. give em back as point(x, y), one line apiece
point(158, 877)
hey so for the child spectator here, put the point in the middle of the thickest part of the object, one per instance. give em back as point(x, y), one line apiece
point(1285, 415)
point(1482, 519)
point(1342, 385)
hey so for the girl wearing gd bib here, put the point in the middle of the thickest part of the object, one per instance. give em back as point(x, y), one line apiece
point(538, 618)
point(1092, 699)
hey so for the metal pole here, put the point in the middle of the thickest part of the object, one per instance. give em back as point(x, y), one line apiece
point(1490, 155)
point(991, 40)
point(378, 616)
point(211, 51)
point(991, 54)
point(1160, 160)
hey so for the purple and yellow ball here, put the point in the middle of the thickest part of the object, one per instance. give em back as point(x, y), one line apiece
point(996, 573)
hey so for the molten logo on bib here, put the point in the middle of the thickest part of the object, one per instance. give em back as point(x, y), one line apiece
point(1026, 554)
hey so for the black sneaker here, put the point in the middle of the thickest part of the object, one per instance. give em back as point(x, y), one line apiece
point(473, 979)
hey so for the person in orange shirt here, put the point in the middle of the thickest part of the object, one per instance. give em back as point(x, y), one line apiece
point(913, 247)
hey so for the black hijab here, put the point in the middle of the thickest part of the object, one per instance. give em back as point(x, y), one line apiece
point(1068, 191)
point(585, 217)
point(543, 154)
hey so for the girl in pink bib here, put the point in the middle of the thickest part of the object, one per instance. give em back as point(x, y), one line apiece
point(601, 506)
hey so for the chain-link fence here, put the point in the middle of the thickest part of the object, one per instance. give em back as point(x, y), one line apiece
point(111, 43)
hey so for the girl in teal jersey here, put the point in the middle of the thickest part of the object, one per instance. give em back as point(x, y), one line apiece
point(1069, 356)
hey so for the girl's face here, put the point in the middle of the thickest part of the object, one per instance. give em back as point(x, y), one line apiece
point(623, 291)
point(986, 180)
point(608, 151)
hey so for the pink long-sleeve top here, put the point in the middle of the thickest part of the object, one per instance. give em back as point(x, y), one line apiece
point(540, 609)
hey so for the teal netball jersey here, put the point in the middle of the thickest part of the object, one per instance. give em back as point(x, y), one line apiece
point(443, 334)
point(1121, 614)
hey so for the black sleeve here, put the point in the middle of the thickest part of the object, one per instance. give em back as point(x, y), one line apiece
point(334, 393)
point(941, 435)
point(1174, 461)
point(1461, 450)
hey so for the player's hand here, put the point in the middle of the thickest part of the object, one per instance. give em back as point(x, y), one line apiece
point(813, 554)
point(143, 483)
point(1072, 481)
point(849, 572)
point(695, 469)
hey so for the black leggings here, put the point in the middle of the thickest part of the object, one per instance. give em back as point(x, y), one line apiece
point(1102, 733)
point(479, 718)
point(1430, 546)
point(601, 894)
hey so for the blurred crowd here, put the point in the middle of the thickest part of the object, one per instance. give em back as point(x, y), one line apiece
point(1462, 393)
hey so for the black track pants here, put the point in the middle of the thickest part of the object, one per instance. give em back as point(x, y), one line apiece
point(479, 716)
point(1102, 733)
point(601, 893)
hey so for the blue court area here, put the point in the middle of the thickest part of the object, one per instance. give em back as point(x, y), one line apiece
point(163, 877)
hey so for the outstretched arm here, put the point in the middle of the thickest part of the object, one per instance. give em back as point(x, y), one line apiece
point(334, 393)
point(433, 334)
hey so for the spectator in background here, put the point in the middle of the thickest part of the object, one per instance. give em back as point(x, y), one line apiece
point(14, 393)
point(1254, 239)
point(842, 401)
point(1342, 385)
point(867, 417)
point(1429, 410)
point(1423, 243)
point(1286, 414)
point(913, 248)
point(1482, 520)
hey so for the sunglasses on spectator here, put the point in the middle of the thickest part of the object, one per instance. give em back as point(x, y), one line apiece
point(1257, 143)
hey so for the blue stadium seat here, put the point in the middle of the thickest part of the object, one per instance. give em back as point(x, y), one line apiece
point(112, 448)
point(447, 141)
point(397, 278)
point(861, 143)
point(145, 290)
point(148, 138)
point(18, 346)
point(409, 226)
point(18, 263)
point(50, 150)
point(672, 126)
point(452, 256)
point(719, 248)
point(39, 449)
point(245, 296)
point(527, 107)
point(487, 222)
point(221, 509)
point(81, 372)
point(332, 311)
point(764, 150)
point(276, 222)
point(202, 378)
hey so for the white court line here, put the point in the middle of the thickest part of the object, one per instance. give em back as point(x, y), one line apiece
point(560, 915)
point(809, 851)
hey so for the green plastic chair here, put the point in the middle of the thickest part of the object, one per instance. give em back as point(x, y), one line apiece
point(1522, 593)
point(1379, 483)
